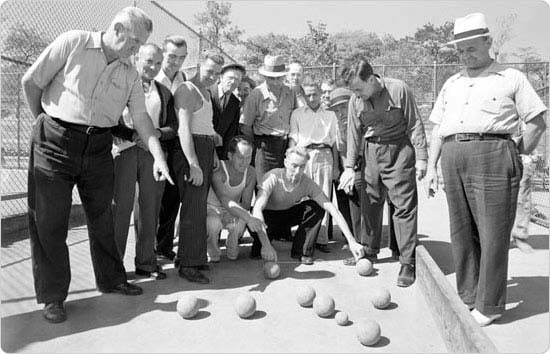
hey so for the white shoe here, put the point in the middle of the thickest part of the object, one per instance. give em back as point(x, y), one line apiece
point(483, 320)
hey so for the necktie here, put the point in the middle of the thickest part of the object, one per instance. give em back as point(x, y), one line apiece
point(225, 100)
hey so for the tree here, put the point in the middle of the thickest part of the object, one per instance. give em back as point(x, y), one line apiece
point(433, 39)
point(215, 24)
point(504, 32)
point(23, 43)
point(315, 48)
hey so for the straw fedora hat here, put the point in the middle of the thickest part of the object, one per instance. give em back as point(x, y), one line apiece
point(469, 27)
point(274, 66)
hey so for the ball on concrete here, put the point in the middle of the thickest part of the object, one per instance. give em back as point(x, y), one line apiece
point(368, 332)
point(271, 270)
point(341, 318)
point(323, 305)
point(305, 295)
point(381, 298)
point(245, 305)
point(187, 306)
point(363, 267)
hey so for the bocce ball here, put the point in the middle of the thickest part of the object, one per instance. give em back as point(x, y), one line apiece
point(271, 270)
point(363, 267)
point(245, 305)
point(381, 298)
point(323, 305)
point(341, 318)
point(305, 295)
point(368, 332)
point(188, 306)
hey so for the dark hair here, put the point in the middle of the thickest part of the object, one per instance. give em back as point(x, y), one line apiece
point(215, 57)
point(251, 82)
point(234, 66)
point(232, 146)
point(176, 40)
point(360, 69)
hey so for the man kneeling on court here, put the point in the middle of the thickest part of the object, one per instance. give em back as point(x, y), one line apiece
point(287, 196)
point(229, 199)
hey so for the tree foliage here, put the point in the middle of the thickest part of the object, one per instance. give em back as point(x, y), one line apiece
point(215, 24)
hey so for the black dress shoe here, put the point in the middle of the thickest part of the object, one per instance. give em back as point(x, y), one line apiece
point(124, 289)
point(193, 275)
point(54, 312)
point(203, 267)
point(322, 248)
point(170, 255)
point(406, 275)
point(156, 274)
point(306, 260)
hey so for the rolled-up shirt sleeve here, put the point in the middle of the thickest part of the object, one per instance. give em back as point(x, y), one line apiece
point(51, 60)
point(354, 132)
point(136, 101)
point(415, 126)
point(528, 103)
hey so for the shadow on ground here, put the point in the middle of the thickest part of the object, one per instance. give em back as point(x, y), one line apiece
point(531, 294)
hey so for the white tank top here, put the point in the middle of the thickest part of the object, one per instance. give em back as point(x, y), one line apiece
point(202, 119)
point(234, 193)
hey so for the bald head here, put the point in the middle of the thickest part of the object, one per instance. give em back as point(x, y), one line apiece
point(149, 61)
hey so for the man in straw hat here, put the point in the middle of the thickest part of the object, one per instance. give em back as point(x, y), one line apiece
point(266, 115)
point(475, 114)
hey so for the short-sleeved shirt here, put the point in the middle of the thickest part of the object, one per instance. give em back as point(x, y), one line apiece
point(172, 85)
point(281, 198)
point(268, 114)
point(313, 127)
point(493, 102)
point(78, 84)
point(389, 115)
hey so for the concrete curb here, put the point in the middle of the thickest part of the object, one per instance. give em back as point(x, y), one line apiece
point(457, 327)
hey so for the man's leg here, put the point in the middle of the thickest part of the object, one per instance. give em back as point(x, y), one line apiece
point(236, 230)
point(319, 169)
point(310, 214)
point(394, 247)
point(375, 194)
point(214, 227)
point(168, 213)
point(520, 230)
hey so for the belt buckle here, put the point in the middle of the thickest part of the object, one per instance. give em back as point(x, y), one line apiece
point(462, 137)
point(90, 130)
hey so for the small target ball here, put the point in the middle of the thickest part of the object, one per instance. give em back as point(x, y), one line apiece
point(305, 296)
point(323, 305)
point(363, 267)
point(368, 332)
point(187, 306)
point(271, 270)
point(341, 318)
point(381, 298)
point(245, 305)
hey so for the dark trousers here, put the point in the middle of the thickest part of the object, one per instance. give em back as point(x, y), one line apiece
point(192, 231)
point(61, 157)
point(169, 209)
point(390, 171)
point(307, 215)
point(350, 207)
point(481, 184)
point(271, 150)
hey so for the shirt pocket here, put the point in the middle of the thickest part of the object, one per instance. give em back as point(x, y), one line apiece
point(392, 115)
point(492, 105)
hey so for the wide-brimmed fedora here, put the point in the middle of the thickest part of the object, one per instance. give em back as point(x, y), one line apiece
point(274, 66)
point(339, 95)
point(469, 27)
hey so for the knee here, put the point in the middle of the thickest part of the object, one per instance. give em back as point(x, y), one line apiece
point(213, 226)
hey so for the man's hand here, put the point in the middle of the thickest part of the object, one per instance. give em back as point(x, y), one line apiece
point(432, 181)
point(160, 171)
point(269, 254)
point(195, 175)
point(256, 225)
point(216, 161)
point(357, 250)
point(347, 179)
point(421, 166)
point(218, 140)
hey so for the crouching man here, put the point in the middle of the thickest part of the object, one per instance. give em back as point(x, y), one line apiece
point(287, 196)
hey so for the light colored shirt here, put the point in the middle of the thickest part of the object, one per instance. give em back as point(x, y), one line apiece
point(313, 127)
point(282, 197)
point(388, 115)
point(172, 85)
point(80, 87)
point(202, 118)
point(493, 102)
point(153, 105)
point(234, 193)
point(268, 114)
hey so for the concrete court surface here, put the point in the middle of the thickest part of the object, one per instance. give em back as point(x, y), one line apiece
point(148, 323)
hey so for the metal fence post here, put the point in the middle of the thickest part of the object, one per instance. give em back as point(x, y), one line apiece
point(434, 88)
point(18, 115)
point(383, 70)
point(333, 71)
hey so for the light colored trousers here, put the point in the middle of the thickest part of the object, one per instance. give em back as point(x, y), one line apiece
point(319, 169)
point(523, 211)
point(136, 165)
point(218, 219)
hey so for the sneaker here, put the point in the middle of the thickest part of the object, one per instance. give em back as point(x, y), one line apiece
point(306, 260)
point(406, 275)
point(483, 320)
point(54, 312)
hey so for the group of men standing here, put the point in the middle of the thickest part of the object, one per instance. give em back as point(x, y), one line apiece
point(104, 125)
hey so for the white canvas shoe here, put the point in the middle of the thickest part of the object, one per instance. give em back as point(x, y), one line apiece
point(483, 320)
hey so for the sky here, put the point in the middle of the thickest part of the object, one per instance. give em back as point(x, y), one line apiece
point(395, 17)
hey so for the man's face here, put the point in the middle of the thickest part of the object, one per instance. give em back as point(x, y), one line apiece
point(365, 89)
point(148, 63)
point(294, 75)
point(230, 80)
point(128, 40)
point(209, 72)
point(294, 166)
point(240, 159)
point(173, 58)
point(341, 111)
point(274, 81)
point(325, 93)
point(313, 96)
point(474, 53)
point(244, 90)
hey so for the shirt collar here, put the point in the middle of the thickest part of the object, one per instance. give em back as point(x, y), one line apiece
point(494, 68)
point(266, 94)
point(94, 41)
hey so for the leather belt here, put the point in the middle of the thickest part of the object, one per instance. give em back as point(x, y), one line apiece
point(318, 146)
point(463, 137)
point(383, 140)
point(85, 129)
